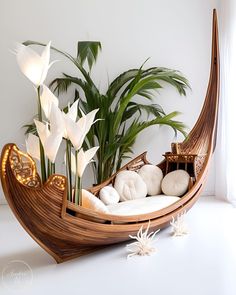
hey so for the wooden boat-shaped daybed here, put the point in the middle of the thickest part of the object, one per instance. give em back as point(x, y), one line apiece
point(66, 230)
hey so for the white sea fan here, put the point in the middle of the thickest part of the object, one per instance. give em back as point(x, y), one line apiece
point(179, 227)
point(143, 246)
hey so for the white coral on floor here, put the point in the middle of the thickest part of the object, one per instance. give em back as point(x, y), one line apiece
point(143, 246)
point(179, 227)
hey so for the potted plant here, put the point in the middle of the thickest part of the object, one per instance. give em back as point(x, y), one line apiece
point(120, 114)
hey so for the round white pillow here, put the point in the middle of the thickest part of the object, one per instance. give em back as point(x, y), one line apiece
point(152, 176)
point(109, 195)
point(175, 183)
point(130, 186)
point(92, 202)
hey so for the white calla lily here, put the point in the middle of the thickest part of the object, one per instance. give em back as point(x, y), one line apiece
point(51, 139)
point(84, 158)
point(73, 110)
point(52, 145)
point(76, 131)
point(89, 119)
point(32, 65)
point(43, 131)
point(47, 98)
point(70, 115)
point(32, 146)
point(56, 120)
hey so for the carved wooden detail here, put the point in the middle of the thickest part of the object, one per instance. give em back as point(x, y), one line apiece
point(24, 168)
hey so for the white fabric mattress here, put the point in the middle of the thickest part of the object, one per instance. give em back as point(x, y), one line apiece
point(142, 206)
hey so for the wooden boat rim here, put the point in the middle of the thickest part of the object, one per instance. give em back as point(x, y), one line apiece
point(106, 216)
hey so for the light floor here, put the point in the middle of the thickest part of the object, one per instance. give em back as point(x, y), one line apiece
point(201, 263)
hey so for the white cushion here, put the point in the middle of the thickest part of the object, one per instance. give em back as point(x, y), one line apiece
point(152, 176)
point(175, 183)
point(92, 202)
point(142, 206)
point(109, 195)
point(130, 185)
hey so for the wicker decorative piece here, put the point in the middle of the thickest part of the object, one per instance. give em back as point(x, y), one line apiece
point(66, 230)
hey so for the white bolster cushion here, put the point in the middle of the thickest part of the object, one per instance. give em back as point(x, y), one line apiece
point(142, 206)
point(152, 176)
point(92, 202)
point(130, 186)
point(109, 195)
point(175, 183)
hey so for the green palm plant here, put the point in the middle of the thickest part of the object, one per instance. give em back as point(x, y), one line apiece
point(121, 116)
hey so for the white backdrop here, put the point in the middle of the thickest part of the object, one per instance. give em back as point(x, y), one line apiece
point(175, 34)
point(225, 174)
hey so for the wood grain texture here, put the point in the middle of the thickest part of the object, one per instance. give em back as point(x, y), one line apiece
point(66, 230)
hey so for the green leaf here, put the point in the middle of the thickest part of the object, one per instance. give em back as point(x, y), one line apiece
point(30, 128)
point(61, 85)
point(88, 50)
point(134, 108)
point(120, 81)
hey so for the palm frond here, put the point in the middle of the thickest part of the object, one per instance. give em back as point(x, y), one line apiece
point(30, 128)
point(119, 82)
point(130, 136)
point(61, 85)
point(134, 108)
point(122, 117)
point(88, 50)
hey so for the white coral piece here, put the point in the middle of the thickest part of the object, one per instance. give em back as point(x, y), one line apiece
point(179, 227)
point(143, 246)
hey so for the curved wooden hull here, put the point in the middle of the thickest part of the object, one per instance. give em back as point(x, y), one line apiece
point(67, 231)
point(64, 236)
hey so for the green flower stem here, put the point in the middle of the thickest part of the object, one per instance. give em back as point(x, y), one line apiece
point(77, 198)
point(80, 190)
point(42, 155)
point(68, 169)
point(49, 169)
point(53, 168)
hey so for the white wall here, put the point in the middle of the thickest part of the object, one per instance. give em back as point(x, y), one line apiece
point(175, 34)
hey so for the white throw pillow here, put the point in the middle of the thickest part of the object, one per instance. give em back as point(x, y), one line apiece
point(130, 185)
point(175, 183)
point(152, 176)
point(92, 202)
point(109, 195)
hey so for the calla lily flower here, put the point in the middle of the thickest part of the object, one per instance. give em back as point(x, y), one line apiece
point(77, 131)
point(47, 98)
point(90, 119)
point(32, 146)
point(51, 139)
point(71, 115)
point(72, 110)
point(56, 120)
point(83, 159)
point(34, 66)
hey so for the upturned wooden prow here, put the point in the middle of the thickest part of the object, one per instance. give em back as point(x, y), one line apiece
point(203, 135)
point(194, 150)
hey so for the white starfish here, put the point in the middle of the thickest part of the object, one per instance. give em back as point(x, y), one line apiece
point(143, 246)
point(179, 227)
